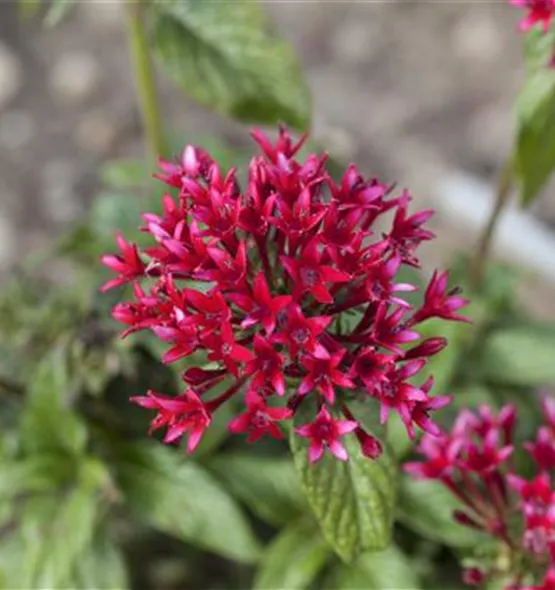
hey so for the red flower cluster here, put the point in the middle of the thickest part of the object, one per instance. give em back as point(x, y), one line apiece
point(475, 462)
point(282, 292)
point(539, 12)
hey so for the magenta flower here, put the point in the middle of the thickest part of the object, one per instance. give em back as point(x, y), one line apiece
point(474, 462)
point(261, 307)
point(543, 449)
point(184, 413)
point(259, 419)
point(310, 275)
point(128, 264)
point(326, 432)
point(539, 12)
point(323, 374)
point(284, 287)
point(439, 302)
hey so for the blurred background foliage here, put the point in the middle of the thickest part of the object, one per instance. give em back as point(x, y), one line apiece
point(87, 500)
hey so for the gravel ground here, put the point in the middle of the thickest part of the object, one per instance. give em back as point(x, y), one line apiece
point(411, 91)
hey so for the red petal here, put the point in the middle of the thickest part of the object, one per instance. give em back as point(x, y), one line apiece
point(241, 354)
point(331, 275)
point(321, 294)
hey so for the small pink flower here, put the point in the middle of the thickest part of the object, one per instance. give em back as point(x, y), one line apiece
point(323, 374)
point(543, 449)
point(439, 302)
point(128, 264)
point(259, 418)
point(473, 576)
point(326, 432)
point(181, 414)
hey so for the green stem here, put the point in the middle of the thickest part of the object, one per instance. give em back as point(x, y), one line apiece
point(144, 79)
point(11, 388)
point(483, 250)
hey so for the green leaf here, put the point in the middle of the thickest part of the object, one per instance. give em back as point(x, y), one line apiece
point(383, 570)
point(520, 356)
point(354, 500)
point(29, 8)
point(101, 567)
point(47, 423)
point(178, 497)
point(227, 56)
point(538, 49)
point(125, 173)
point(58, 11)
point(268, 486)
point(113, 211)
point(53, 536)
point(535, 143)
point(427, 508)
point(293, 559)
point(41, 473)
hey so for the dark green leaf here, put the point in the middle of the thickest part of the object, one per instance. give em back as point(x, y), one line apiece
point(178, 497)
point(520, 356)
point(427, 508)
point(268, 486)
point(58, 11)
point(353, 501)
point(293, 559)
point(226, 55)
point(47, 423)
point(535, 147)
point(383, 570)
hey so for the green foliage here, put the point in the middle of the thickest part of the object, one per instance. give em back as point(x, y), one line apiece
point(102, 567)
point(227, 56)
point(181, 499)
point(538, 49)
point(47, 423)
point(353, 501)
point(535, 141)
point(54, 531)
point(126, 173)
point(389, 569)
point(29, 8)
point(268, 486)
point(294, 558)
point(58, 11)
point(521, 356)
point(427, 508)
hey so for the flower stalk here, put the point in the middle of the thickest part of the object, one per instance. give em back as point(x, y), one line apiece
point(482, 253)
point(145, 83)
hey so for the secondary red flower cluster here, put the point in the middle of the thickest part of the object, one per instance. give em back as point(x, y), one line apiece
point(280, 293)
point(539, 12)
point(475, 462)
